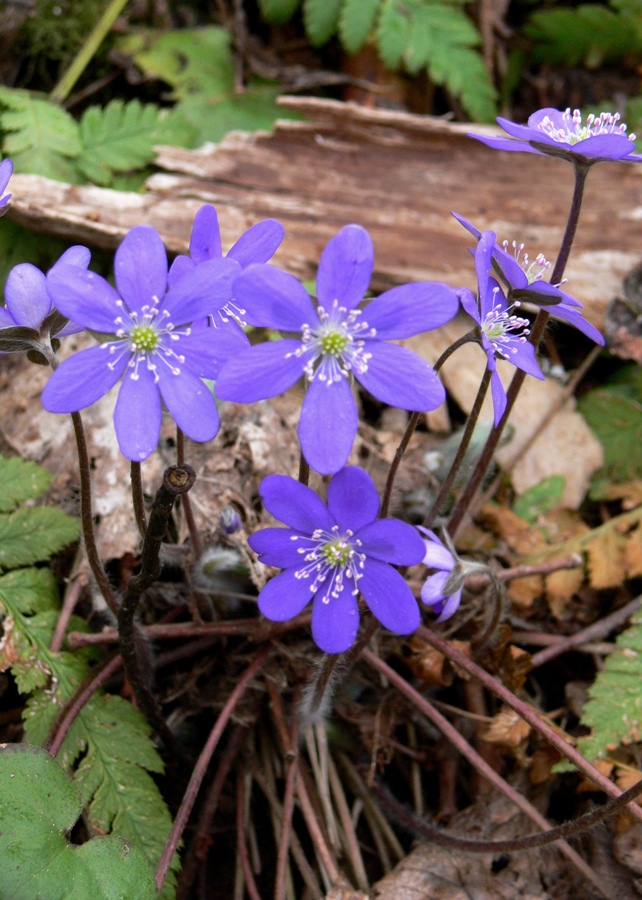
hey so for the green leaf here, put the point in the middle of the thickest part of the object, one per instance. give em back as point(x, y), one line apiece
point(541, 498)
point(278, 11)
point(356, 21)
point(321, 18)
point(31, 535)
point(616, 421)
point(393, 32)
point(40, 137)
point(121, 137)
point(614, 708)
point(588, 35)
point(191, 60)
point(21, 480)
point(38, 806)
point(29, 590)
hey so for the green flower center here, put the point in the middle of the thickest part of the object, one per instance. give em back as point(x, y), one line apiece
point(143, 337)
point(337, 553)
point(334, 342)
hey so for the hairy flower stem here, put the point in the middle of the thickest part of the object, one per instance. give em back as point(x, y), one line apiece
point(201, 766)
point(304, 470)
point(465, 499)
point(527, 713)
point(195, 537)
point(137, 498)
point(412, 424)
point(86, 517)
point(461, 450)
point(176, 481)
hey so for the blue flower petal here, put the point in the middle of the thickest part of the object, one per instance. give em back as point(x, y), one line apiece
point(201, 291)
point(276, 547)
point(271, 298)
point(498, 394)
point(353, 499)
point(411, 309)
point(335, 624)
point(207, 349)
point(78, 255)
point(84, 297)
point(258, 244)
point(82, 379)
point(389, 598)
point(140, 268)
point(345, 268)
point(259, 372)
point(392, 541)
point(190, 403)
point(574, 318)
point(26, 296)
point(6, 170)
point(284, 597)
point(295, 504)
point(205, 241)
point(328, 425)
point(137, 416)
point(399, 377)
point(181, 266)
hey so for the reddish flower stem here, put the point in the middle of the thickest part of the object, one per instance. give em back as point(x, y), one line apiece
point(241, 844)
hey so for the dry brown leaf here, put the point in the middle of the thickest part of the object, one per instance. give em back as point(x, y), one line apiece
point(507, 729)
point(607, 562)
point(8, 653)
point(626, 778)
point(633, 552)
point(509, 526)
point(603, 766)
point(524, 591)
point(542, 762)
point(345, 892)
point(561, 586)
point(629, 493)
point(431, 666)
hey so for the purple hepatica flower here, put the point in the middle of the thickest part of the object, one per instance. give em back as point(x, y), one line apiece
point(257, 245)
point(502, 333)
point(149, 342)
point(332, 553)
point(29, 323)
point(337, 342)
point(442, 590)
point(6, 170)
point(523, 279)
point(553, 133)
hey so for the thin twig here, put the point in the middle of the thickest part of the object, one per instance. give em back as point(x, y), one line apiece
point(72, 596)
point(316, 835)
point(288, 809)
point(241, 844)
point(137, 497)
point(195, 537)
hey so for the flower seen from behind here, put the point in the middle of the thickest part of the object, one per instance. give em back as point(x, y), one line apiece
point(524, 281)
point(503, 334)
point(6, 170)
point(336, 342)
point(551, 132)
point(147, 340)
point(441, 590)
point(331, 553)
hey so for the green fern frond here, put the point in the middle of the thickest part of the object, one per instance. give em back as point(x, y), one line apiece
point(321, 18)
point(356, 22)
point(278, 11)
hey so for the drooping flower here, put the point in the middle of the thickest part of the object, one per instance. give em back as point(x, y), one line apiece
point(257, 245)
point(442, 590)
point(524, 280)
point(337, 343)
point(146, 337)
point(332, 553)
point(503, 334)
point(551, 132)
point(29, 322)
point(6, 170)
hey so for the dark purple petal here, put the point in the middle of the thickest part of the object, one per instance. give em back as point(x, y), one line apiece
point(483, 259)
point(353, 499)
point(6, 170)
point(335, 624)
point(181, 266)
point(276, 547)
point(69, 328)
point(400, 378)
point(467, 225)
point(498, 394)
point(190, 403)
point(258, 244)
point(26, 296)
point(605, 146)
point(205, 241)
point(328, 425)
point(522, 355)
point(450, 607)
point(82, 379)
point(84, 297)
point(392, 541)
point(389, 598)
point(510, 268)
point(498, 143)
point(200, 292)
point(295, 504)
point(75, 256)
point(284, 597)
point(531, 132)
point(345, 268)
point(137, 416)
point(574, 318)
point(468, 301)
point(140, 268)
point(411, 309)
point(207, 349)
point(271, 298)
point(259, 372)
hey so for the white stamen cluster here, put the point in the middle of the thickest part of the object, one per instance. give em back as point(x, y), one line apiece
point(330, 557)
point(227, 312)
point(147, 339)
point(533, 269)
point(336, 347)
point(503, 329)
point(574, 131)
